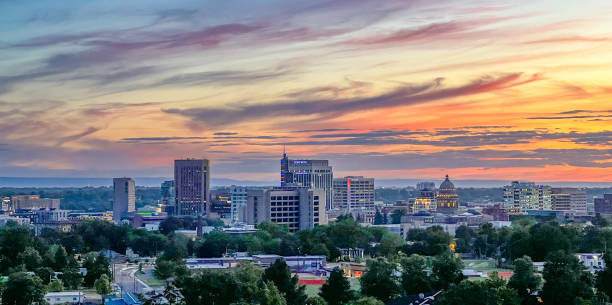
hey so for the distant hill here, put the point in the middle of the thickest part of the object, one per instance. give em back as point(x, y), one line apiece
point(97, 182)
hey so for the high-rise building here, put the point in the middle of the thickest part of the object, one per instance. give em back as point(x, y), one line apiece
point(527, 196)
point(315, 174)
point(297, 208)
point(572, 200)
point(125, 198)
point(191, 183)
point(168, 200)
point(353, 192)
point(239, 203)
point(221, 203)
point(447, 200)
point(603, 205)
point(167, 190)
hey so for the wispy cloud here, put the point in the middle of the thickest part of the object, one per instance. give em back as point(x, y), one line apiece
point(77, 136)
point(569, 39)
point(403, 96)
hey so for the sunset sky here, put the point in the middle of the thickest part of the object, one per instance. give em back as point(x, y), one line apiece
point(499, 90)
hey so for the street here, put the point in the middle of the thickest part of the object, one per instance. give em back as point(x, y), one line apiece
point(127, 281)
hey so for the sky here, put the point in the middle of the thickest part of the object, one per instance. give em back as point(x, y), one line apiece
point(502, 90)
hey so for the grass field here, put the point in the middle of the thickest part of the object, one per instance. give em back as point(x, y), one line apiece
point(313, 290)
point(486, 266)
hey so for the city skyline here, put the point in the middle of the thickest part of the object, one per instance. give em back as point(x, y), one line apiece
point(483, 90)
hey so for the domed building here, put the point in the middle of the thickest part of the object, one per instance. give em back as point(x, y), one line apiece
point(447, 199)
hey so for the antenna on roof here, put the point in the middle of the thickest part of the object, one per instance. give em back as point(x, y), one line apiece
point(284, 152)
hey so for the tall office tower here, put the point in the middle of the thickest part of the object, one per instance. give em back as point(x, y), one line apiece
point(168, 200)
point(297, 208)
point(125, 198)
point(239, 202)
point(191, 183)
point(569, 199)
point(315, 174)
point(603, 205)
point(353, 192)
point(426, 200)
point(527, 196)
point(447, 200)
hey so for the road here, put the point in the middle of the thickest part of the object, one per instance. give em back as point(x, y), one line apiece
point(125, 278)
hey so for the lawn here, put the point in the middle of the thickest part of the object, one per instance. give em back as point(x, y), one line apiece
point(486, 266)
point(313, 290)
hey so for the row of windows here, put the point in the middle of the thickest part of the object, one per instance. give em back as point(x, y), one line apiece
point(284, 197)
point(285, 214)
point(284, 209)
point(284, 203)
point(284, 220)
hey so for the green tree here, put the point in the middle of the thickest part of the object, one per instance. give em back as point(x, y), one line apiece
point(103, 286)
point(337, 289)
point(379, 281)
point(280, 274)
point(23, 289)
point(272, 295)
point(478, 293)
point(45, 274)
point(316, 300)
point(565, 280)
point(30, 258)
point(524, 280)
point(211, 288)
point(72, 278)
point(389, 244)
point(367, 301)
point(464, 236)
point(96, 266)
point(414, 276)
point(164, 268)
point(14, 239)
point(446, 269)
point(55, 286)
point(604, 278)
point(60, 258)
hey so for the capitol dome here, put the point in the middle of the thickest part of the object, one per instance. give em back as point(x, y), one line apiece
point(447, 185)
point(447, 198)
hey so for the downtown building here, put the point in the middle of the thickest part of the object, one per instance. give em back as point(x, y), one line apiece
point(221, 204)
point(447, 200)
point(353, 192)
point(167, 202)
point(191, 184)
point(314, 174)
point(521, 196)
point(297, 208)
point(30, 202)
point(571, 200)
point(603, 205)
point(239, 202)
point(124, 198)
point(426, 200)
